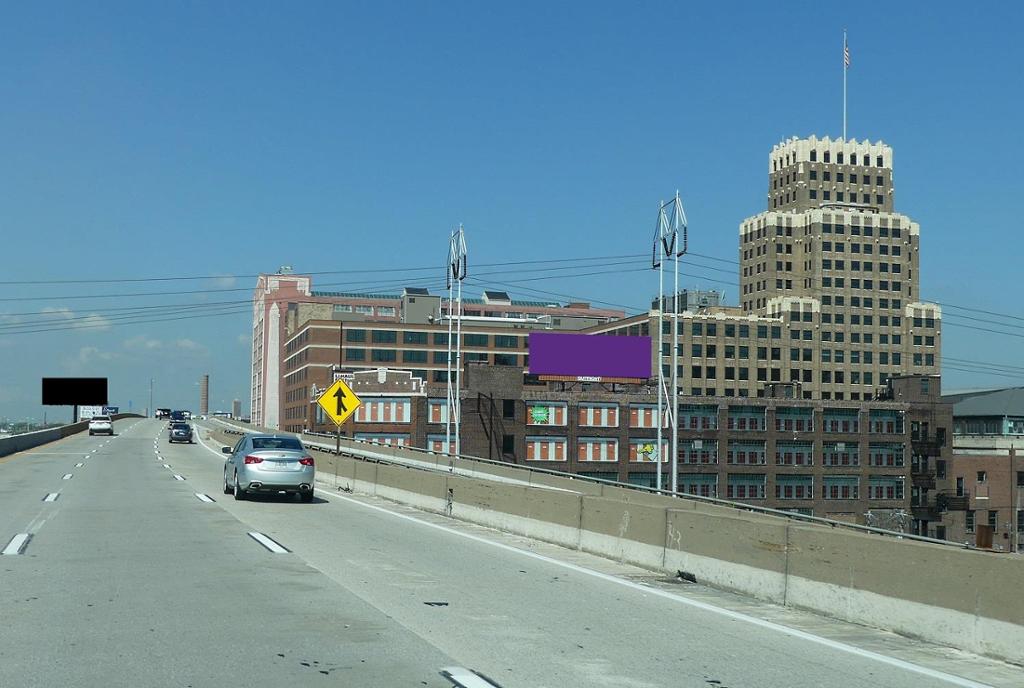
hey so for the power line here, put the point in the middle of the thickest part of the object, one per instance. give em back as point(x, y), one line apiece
point(177, 278)
point(86, 326)
point(1004, 366)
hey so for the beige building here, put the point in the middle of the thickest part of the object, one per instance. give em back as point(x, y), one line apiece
point(829, 286)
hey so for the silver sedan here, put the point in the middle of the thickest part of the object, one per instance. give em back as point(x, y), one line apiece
point(271, 464)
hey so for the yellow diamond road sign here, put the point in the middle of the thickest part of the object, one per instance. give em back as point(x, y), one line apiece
point(339, 402)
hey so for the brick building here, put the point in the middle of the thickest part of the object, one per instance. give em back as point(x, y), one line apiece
point(986, 472)
point(873, 462)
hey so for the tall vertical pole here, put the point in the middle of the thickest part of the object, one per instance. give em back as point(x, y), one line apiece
point(455, 272)
point(448, 376)
point(661, 366)
point(458, 372)
point(151, 409)
point(341, 339)
point(845, 66)
point(673, 481)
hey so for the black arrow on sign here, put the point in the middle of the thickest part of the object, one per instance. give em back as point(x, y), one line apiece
point(339, 394)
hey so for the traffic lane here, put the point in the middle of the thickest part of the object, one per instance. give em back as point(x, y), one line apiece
point(26, 478)
point(531, 622)
point(137, 582)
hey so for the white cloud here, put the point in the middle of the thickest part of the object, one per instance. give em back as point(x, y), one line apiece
point(190, 345)
point(225, 282)
point(92, 321)
point(142, 342)
point(87, 357)
point(244, 340)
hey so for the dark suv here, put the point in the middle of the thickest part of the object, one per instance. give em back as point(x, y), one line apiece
point(180, 432)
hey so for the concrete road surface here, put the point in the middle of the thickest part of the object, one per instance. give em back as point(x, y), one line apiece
point(130, 578)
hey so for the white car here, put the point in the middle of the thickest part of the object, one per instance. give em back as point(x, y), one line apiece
point(101, 425)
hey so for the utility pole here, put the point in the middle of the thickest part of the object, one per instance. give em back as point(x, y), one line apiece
point(341, 333)
point(455, 273)
point(151, 398)
point(667, 243)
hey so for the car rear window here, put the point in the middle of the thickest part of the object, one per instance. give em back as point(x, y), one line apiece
point(276, 443)
point(106, 418)
point(180, 426)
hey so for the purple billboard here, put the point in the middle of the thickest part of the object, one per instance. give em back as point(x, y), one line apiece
point(590, 355)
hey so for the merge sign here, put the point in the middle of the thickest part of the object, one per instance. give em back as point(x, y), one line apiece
point(339, 402)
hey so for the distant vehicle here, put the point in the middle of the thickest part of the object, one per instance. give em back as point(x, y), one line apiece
point(180, 432)
point(270, 464)
point(101, 425)
point(178, 417)
point(188, 415)
point(163, 413)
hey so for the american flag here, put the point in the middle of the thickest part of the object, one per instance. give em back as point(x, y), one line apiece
point(846, 54)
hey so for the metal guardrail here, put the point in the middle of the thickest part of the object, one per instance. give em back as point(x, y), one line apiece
point(741, 506)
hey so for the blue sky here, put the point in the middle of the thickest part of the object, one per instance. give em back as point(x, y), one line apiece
point(232, 138)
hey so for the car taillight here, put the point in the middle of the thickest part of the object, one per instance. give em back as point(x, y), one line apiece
point(253, 459)
point(307, 461)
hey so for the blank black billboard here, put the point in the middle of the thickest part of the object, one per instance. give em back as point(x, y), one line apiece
point(74, 391)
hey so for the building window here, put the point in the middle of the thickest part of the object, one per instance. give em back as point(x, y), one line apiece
point(546, 413)
point(355, 335)
point(794, 419)
point(546, 448)
point(598, 415)
point(644, 415)
point(437, 410)
point(386, 311)
point(364, 310)
point(888, 454)
point(475, 339)
point(384, 337)
point(794, 486)
point(746, 418)
point(969, 521)
point(698, 417)
point(355, 354)
point(388, 439)
point(597, 449)
point(982, 477)
point(840, 487)
point(389, 410)
point(701, 484)
point(745, 486)
point(436, 444)
point(698, 451)
point(414, 337)
point(993, 519)
point(793, 453)
point(885, 487)
point(504, 341)
point(384, 355)
point(744, 453)
point(646, 450)
point(840, 454)
point(508, 445)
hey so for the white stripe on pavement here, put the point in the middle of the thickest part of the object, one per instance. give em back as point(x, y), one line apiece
point(268, 543)
point(67, 476)
point(17, 544)
point(204, 498)
point(464, 678)
point(178, 477)
point(52, 497)
point(79, 465)
point(728, 613)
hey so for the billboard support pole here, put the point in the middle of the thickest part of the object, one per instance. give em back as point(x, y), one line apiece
point(667, 243)
point(455, 273)
point(678, 225)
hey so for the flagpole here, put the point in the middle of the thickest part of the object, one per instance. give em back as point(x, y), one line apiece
point(844, 84)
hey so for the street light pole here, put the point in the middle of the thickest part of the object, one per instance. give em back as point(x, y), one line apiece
point(152, 411)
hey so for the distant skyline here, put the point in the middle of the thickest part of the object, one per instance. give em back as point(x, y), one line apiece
point(186, 140)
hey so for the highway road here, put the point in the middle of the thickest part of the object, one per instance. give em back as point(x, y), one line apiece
point(141, 572)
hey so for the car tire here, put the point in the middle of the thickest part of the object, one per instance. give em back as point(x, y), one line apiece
point(306, 497)
point(227, 488)
point(238, 491)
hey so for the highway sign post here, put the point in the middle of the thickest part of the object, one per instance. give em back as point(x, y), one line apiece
point(339, 402)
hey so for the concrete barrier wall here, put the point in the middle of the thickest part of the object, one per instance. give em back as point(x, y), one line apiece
point(28, 440)
point(965, 599)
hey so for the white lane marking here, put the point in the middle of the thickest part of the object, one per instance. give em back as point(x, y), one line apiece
point(52, 497)
point(464, 678)
point(67, 476)
point(204, 498)
point(178, 477)
point(268, 543)
point(17, 544)
point(728, 613)
point(167, 466)
point(79, 464)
